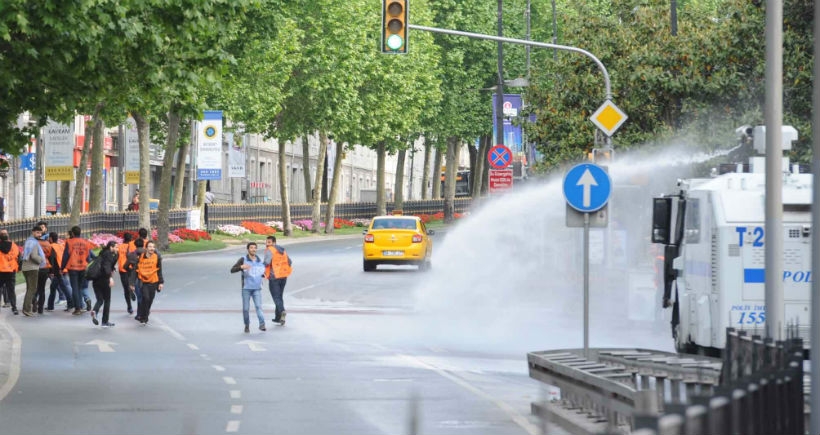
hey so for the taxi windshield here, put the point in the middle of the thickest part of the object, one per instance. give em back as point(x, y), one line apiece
point(394, 224)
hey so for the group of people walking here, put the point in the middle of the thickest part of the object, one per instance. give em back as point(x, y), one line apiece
point(67, 264)
point(44, 257)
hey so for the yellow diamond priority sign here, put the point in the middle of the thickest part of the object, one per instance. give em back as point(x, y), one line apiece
point(608, 118)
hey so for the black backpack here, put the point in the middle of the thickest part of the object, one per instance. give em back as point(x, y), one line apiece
point(94, 268)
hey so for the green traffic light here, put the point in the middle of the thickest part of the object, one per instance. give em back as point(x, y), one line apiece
point(395, 42)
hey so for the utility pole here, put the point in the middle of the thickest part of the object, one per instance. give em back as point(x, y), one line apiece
point(527, 48)
point(499, 103)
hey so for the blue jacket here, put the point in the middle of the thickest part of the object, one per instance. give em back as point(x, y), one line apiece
point(251, 278)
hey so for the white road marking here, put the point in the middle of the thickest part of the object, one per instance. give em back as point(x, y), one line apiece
point(233, 426)
point(16, 353)
point(218, 368)
point(254, 346)
point(236, 394)
point(193, 346)
point(168, 329)
point(205, 356)
point(516, 417)
point(229, 380)
point(236, 409)
point(102, 345)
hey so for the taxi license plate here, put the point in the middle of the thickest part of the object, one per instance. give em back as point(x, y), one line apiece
point(393, 253)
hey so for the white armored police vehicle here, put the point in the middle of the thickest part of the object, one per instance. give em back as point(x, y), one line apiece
point(714, 262)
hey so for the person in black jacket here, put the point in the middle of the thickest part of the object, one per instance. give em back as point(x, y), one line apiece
point(103, 282)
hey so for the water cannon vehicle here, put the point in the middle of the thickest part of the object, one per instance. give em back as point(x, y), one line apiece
point(712, 232)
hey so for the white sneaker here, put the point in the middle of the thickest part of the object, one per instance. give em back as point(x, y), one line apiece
point(62, 302)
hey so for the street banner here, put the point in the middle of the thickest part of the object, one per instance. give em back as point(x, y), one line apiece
point(512, 133)
point(58, 159)
point(209, 147)
point(132, 152)
point(236, 157)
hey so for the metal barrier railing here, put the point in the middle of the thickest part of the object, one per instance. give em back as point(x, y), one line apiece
point(757, 389)
point(234, 214)
point(90, 223)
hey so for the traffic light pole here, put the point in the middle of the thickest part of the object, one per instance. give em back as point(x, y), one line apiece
point(607, 141)
point(523, 42)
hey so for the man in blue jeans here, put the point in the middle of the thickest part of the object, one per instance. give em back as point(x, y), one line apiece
point(278, 268)
point(253, 270)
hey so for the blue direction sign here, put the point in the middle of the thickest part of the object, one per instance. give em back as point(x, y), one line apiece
point(587, 187)
point(499, 157)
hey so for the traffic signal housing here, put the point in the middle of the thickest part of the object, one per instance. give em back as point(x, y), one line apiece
point(394, 26)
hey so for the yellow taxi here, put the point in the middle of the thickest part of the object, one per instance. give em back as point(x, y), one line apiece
point(397, 239)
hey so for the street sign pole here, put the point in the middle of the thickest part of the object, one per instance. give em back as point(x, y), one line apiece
point(586, 285)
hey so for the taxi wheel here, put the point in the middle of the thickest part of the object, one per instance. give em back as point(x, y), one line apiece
point(368, 266)
point(425, 266)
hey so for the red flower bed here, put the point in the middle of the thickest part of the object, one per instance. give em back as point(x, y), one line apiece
point(342, 223)
point(195, 235)
point(258, 228)
point(134, 235)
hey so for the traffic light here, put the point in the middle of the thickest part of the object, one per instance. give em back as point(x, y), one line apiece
point(394, 26)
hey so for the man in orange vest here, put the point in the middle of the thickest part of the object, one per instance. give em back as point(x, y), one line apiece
point(123, 249)
point(277, 270)
point(59, 281)
point(75, 259)
point(9, 254)
point(149, 273)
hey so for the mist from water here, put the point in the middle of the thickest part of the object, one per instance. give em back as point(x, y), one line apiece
point(509, 277)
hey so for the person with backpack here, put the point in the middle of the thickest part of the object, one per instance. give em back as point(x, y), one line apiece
point(253, 270)
point(33, 259)
point(149, 273)
point(102, 281)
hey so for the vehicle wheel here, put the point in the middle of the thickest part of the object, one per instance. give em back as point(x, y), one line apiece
point(368, 266)
point(425, 266)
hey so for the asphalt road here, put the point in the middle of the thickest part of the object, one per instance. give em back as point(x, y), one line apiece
point(356, 356)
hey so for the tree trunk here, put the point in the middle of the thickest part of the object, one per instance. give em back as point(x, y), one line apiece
point(473, 151)
point(179, 182)
point(425, 176)
point(478, 171)
point(283, 191)
point(453, 145)
point(306, 168)
point(65, 197)
point(96, 189)
point(145, 171)
point(435, 173)
point(330, 215)
point(398, 189)
point(79, 176)
point(381, 205)
point(317, 185)
point(163, 224)
point(200, 201)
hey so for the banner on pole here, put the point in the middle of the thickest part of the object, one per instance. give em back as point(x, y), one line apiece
point(236, 157)
point(209, 147)
point(132, 152)
point(58, 159)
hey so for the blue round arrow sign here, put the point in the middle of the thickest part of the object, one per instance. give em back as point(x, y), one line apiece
point(587, 187)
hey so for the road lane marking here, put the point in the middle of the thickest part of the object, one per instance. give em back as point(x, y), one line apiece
point(102, 345)
point(205, 356)
point(516, 417)
point(233, 426)
point(14, 364)
point(254, 346)
point(218, 368)
point(168, 329)
point(236, 394)
point(237, 409)
point(229, 380)
point(193, 346)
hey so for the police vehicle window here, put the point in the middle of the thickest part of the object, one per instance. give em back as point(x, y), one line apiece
point(692, 221)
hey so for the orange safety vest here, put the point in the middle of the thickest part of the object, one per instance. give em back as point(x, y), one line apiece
point(58, 248)
point(47, 251)
point(279, 264)
point(147, 269)
point(8, 262)
point(78, 250)
point(122, 252)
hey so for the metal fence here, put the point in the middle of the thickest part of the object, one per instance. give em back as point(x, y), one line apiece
point(761, 392)
point(234, 214)
point(91, 223)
